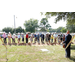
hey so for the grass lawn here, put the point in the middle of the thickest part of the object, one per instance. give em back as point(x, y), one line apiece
point(33, 53)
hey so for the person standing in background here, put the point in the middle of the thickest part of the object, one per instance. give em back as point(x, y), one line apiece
point(27, 37)
point(4, 37)
point(61, 37)
point(46, 38)
point(58, 39)
point(31, 38)
point(22, 35)
point(52, 38)
point(43, 37)
point(55, 38)
point(38, 40)
point(35, 38)
point(13, 38)
point(18, 38)
point(49, 36)
point(9, 38)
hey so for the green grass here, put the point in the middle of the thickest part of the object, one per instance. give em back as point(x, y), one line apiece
point(33, 53)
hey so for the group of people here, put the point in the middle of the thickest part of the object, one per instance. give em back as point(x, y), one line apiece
point(33, 38)
point(48, 38)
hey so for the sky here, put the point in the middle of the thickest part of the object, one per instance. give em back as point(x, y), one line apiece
point(7, 19)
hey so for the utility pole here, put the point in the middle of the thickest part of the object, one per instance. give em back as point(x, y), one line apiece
point(14, 25)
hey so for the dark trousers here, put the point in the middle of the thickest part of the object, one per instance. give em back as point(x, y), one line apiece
point(13, 40)
point(4, 40)
point(23, 39)
point(68, 52)
point(26, 40)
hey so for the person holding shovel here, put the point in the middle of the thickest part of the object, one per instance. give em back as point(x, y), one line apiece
point(9, 38)
point(4, 36)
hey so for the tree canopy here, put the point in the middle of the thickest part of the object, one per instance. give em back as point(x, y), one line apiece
point(68, 16)
point(31, 25)
point(8, 29)
point(11, 30)
point(44, 25)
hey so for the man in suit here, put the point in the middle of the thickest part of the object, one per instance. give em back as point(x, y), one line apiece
point(67, 40)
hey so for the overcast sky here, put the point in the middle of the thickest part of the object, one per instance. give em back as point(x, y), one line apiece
point(7, 19)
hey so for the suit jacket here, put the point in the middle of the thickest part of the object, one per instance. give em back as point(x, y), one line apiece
point(67, 39)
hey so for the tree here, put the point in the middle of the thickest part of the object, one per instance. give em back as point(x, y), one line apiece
point(69, 16)
point(8, 29)
point(19, 29)
point(52, 30)
point(44, 25)
point(63, 30)
point(71, 28)
point(31, 25)
point(59, 29)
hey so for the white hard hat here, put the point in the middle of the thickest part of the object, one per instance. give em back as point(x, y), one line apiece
point(18, 33)
point(13, 34)
point(21, 33)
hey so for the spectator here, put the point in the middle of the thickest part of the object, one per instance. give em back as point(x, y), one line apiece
point(61, 37)
point(49, 36)
point(46, 38)
point(13, 38)
point(18, 38)
point(31, 38)
point(55, 37)
point(38, 36)
point(4, 36)
point(58, 39)
point(27, 37)
point(52, 38)
point(22, 35)
point(42, 37)
point(35, 38)
point(9, 38)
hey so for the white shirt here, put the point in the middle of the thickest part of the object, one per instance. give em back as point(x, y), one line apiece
point(13, 36)
point(18, 36)
point(55, 35)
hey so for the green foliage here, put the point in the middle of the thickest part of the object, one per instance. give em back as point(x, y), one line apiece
point(31, 24)
point(44, 24)
point(8, 29)
point(52, 30)
point(11, 30)
point(64, 30)
point(59, 29)
point(19, 29)
point(69, 16)
point(71, 28)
